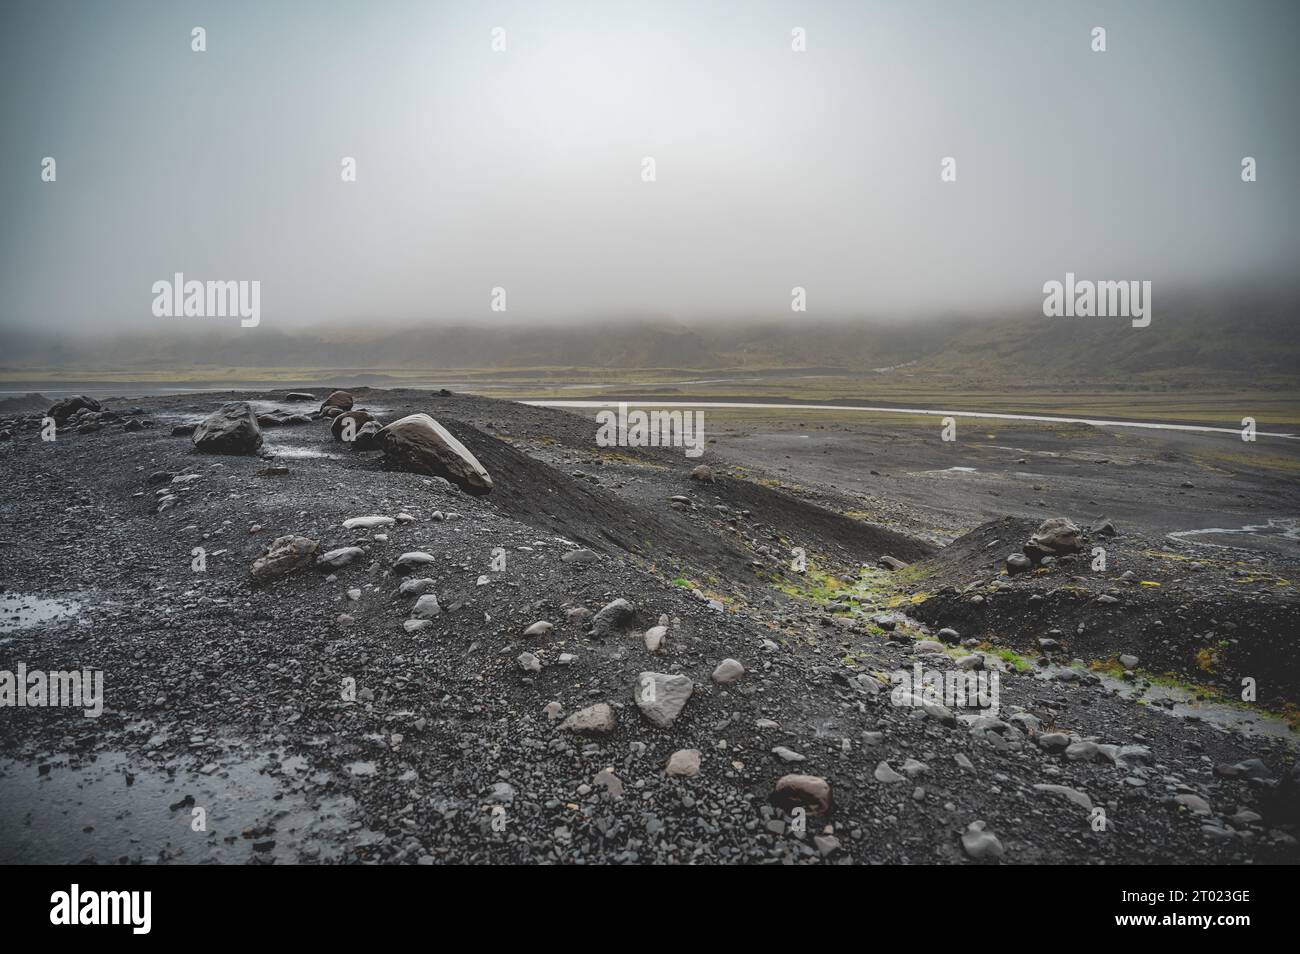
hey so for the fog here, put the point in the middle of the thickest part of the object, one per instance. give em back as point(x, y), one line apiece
point(523, 169)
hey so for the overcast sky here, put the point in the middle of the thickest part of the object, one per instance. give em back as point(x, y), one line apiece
point(523, 168)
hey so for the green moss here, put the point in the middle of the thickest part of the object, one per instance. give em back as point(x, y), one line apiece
point(1014, 660)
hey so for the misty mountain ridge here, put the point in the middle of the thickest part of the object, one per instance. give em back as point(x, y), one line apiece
point(1258, 341)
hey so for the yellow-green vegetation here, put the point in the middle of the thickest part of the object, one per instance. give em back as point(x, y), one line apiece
point(1209, 657)
point(1011, 658)
point(1111, 667)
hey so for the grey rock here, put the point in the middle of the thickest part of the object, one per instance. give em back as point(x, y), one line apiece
point(981, 844)
point(426, 607)
point(341, 557)
point(1053, 741)
point(1072, 794)
point(809, 792)
point(593, 720)
point(614, 616)
point(231, 430)
point(419, 444)
point(1055, 536)
point(662, 696)
point(410, 562)
point(684, 763)
point(884, 773)
point(728, 671)
point(1194, 804)
point(1018, 563)
point(286, 554)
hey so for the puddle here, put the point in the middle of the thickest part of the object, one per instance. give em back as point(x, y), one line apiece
point(296, 451)
point(115, 808)
point(947, 471)
point(21, 611)
point(1276, 535)
point(1184, 704)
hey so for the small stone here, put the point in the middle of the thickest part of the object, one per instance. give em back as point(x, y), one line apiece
point(887, 775)
point(1053, 741)
point(426, 607)
point(809, 792)
point(1194, 804)
point(1072, 794)
point(593, 720)
point(341, 557)
point(728, 671)
point(684, 763)
point(980, 844)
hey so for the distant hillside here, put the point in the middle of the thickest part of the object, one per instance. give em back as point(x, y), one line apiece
point(1250, 342)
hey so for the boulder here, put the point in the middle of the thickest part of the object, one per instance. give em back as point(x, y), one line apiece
point(367, 438)
point(339, 399)
point(419, 444)
point(809, 792)
point(286, 554)
point(662, 696)
point(614, 616)
point(703, 473)
point(62, 410)
point(231, 430)
point(358, 419)
point(1055, 536)
point(299, 396)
